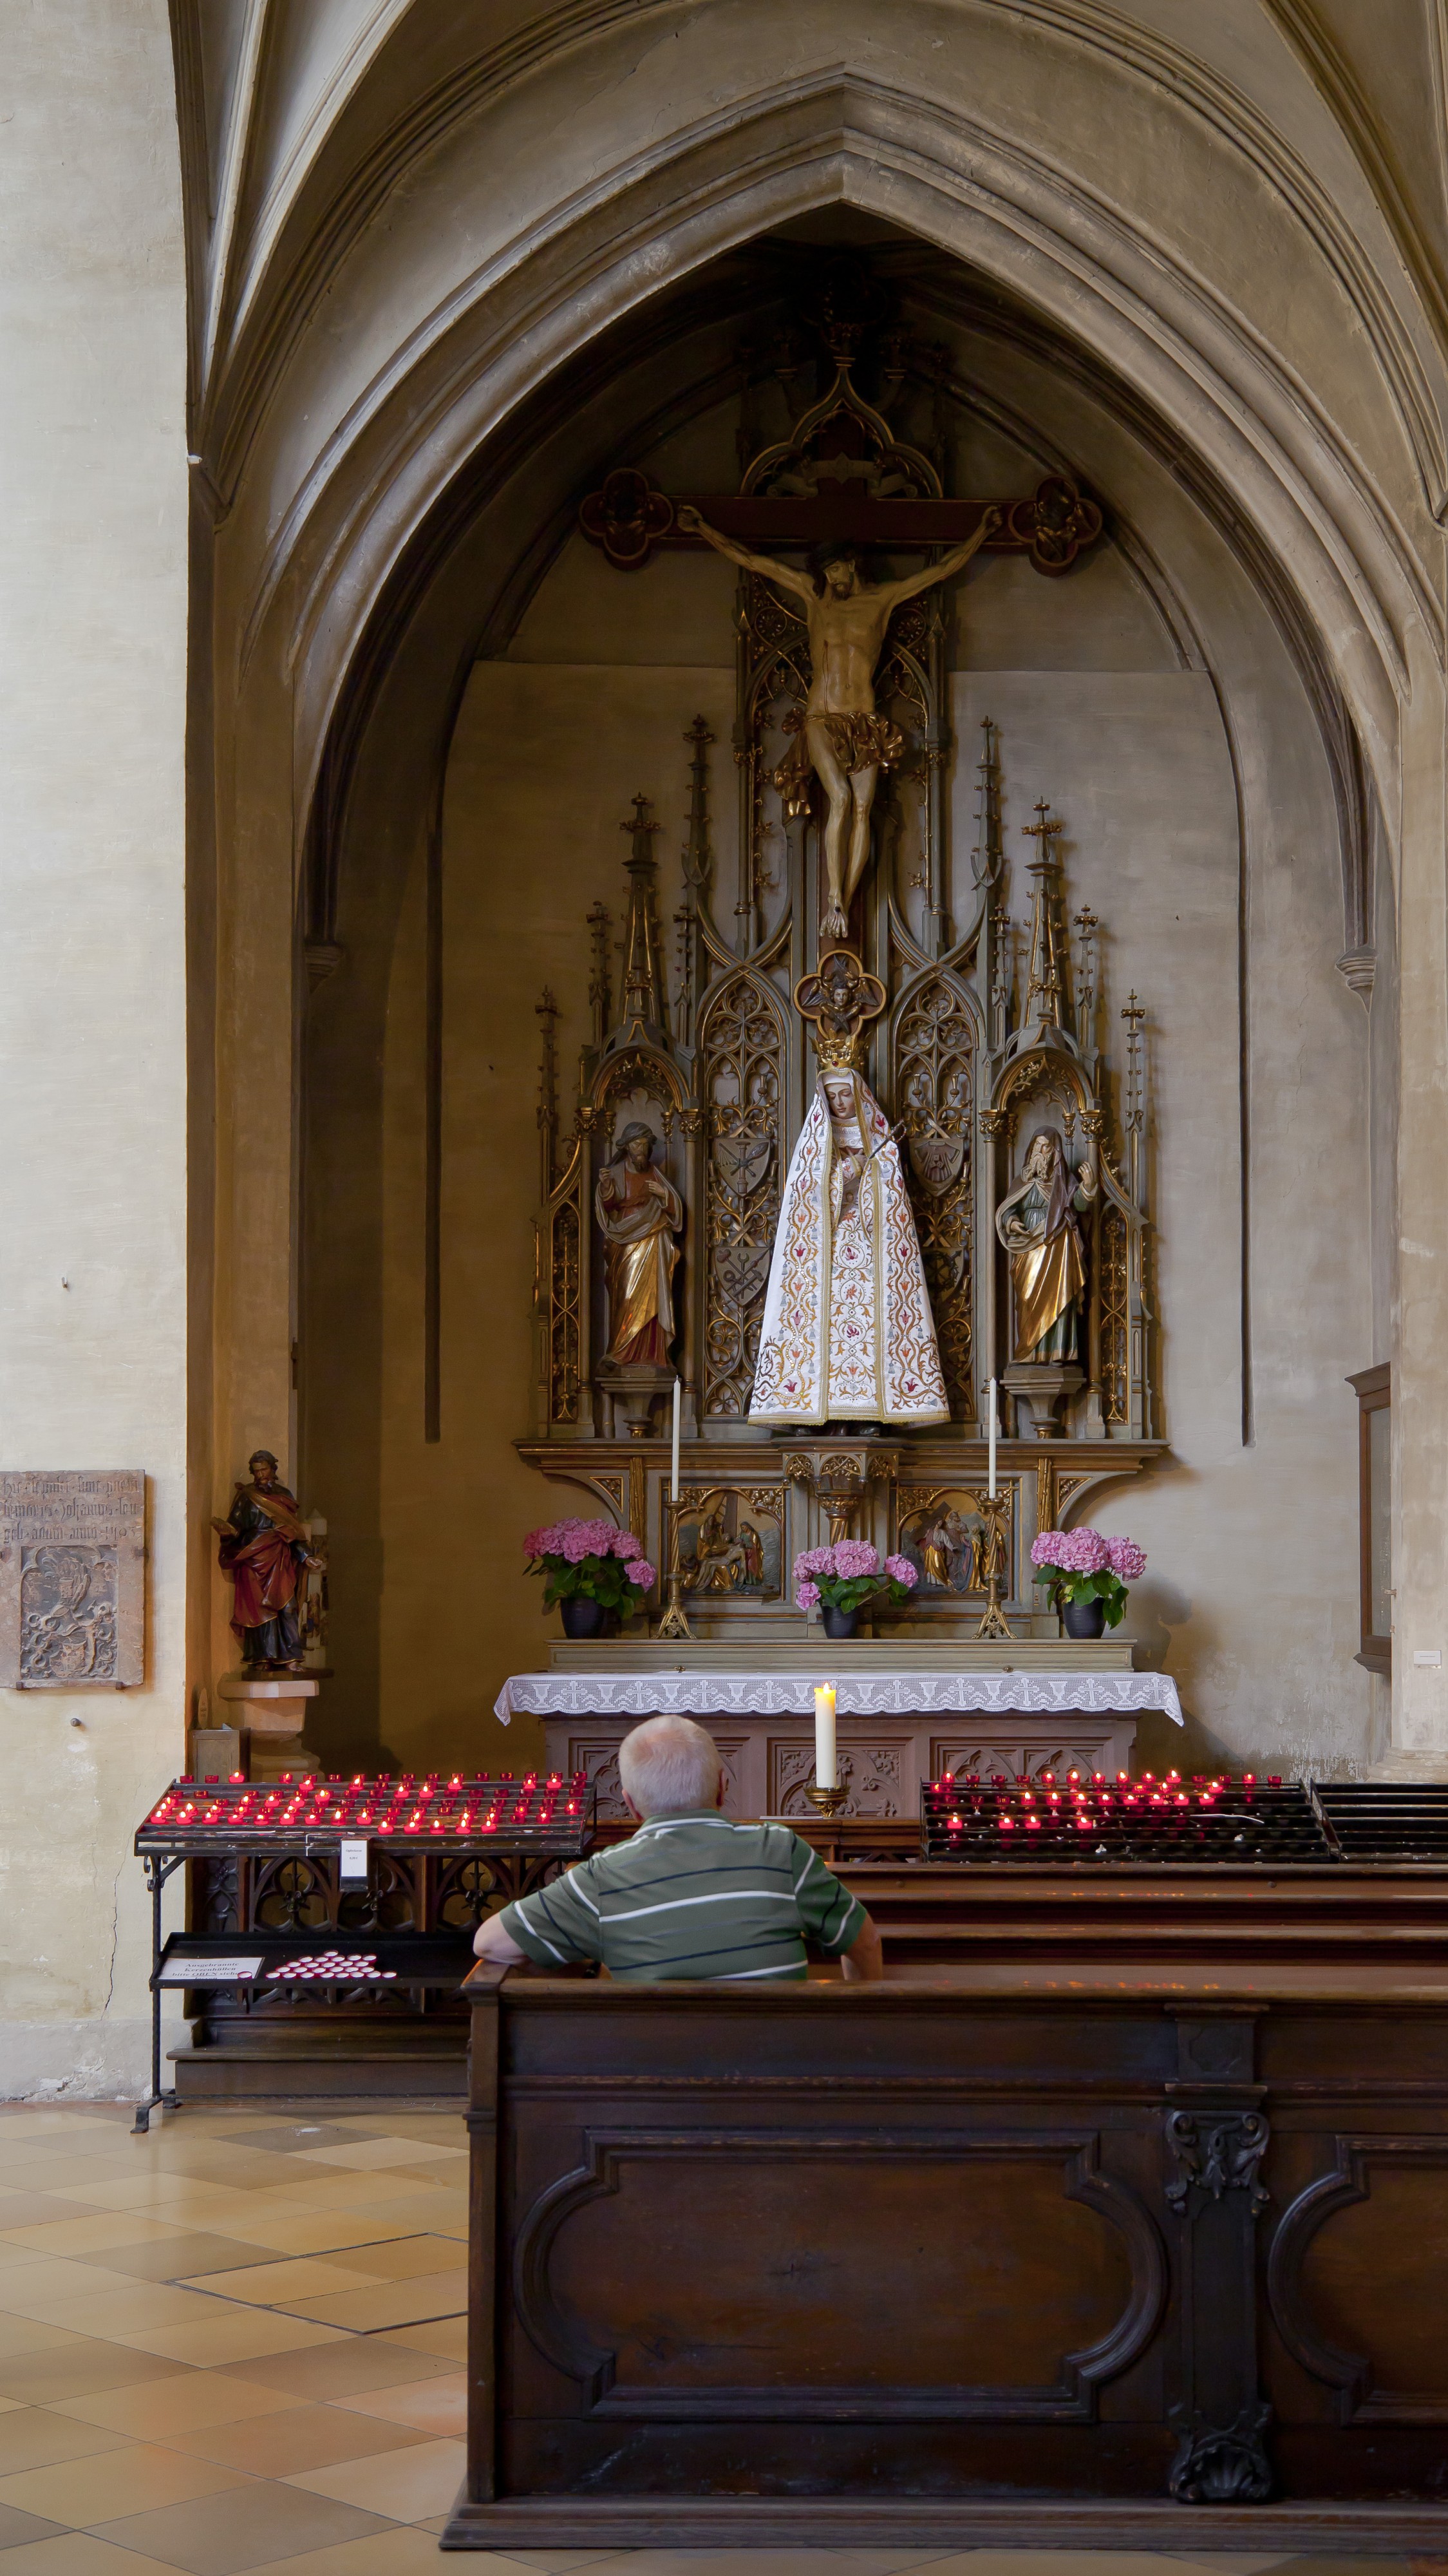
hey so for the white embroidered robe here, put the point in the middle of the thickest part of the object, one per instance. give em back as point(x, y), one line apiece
point(848, 1333)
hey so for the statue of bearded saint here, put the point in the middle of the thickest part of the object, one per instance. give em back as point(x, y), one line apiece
point(1037, 1224)
point(841, 735)
point(639, 1213)
point(847, 1334)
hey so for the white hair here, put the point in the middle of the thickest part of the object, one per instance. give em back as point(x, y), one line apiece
point(669, 1766)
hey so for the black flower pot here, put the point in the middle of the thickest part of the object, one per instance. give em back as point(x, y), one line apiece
point(1084, 1618)
point(839, 1623)
point(583, 1617)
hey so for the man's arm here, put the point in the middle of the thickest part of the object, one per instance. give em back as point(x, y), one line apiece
point(915, 582)
point(785, 574)
point(863, 1964)
point(490, 1941)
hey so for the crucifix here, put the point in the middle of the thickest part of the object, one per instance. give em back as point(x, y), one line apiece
point(840, 734)
point(842, 480)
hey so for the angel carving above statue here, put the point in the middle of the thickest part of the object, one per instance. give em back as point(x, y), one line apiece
point(840, 733)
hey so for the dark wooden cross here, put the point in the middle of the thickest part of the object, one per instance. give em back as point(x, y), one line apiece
point(630, 519)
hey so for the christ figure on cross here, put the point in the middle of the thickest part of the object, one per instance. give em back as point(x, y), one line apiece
point(844, 738)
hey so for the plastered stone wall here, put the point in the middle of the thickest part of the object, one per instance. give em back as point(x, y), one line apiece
point(92, 969)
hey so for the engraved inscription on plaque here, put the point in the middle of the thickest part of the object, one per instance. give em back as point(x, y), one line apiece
point(72, 1579)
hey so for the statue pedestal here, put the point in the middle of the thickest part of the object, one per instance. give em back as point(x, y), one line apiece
point(1040, 1388)
point(630, 1395)
point(272, 1712)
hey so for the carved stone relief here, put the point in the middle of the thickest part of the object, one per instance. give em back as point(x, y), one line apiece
point(72, 1580)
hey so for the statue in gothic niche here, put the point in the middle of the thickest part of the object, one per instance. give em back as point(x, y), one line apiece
point(840, 733)
point(639, 1213)
point(848, 1334)
point(1037, 1223)
point(266, 1549)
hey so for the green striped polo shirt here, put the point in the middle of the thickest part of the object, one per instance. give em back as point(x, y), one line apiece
point(691, 1896)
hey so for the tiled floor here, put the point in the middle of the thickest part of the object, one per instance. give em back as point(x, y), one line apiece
point(234, 2348)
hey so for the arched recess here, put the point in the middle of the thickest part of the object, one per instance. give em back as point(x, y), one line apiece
point(387, 518)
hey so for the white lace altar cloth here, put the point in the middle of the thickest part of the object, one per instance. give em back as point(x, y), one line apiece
point(859, 1695)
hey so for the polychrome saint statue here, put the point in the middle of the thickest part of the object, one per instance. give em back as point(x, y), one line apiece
point(1037, 1223)
point(847, 1335)
point(639, 1213)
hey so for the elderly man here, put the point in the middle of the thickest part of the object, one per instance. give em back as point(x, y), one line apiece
point(690, 1894)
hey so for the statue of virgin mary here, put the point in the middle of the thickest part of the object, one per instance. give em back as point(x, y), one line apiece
point(848, 1334)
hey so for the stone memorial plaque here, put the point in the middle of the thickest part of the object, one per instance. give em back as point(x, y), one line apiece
point(72, 1579)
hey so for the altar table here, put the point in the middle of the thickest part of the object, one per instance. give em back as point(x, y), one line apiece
point(899, 1722)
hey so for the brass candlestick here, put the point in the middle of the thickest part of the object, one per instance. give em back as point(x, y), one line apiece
point(994, 1510)
point(674, 1622)
point(826, 1802)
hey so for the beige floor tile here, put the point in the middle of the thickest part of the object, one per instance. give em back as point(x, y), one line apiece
point(134, 2480)
point(407, 2258)
point(397, 2551)
point(271, 2284)
point(329, 2191)
point(45, 2283)
point(405, 2484)
point(79, 2368)
point(11, 2254)
point(444, 2128)
point(48, 2120)
point(324, 2233)
point(68, 2176)
point(388, 2303)
point(79, 2553)
point(338, 2368)
point(31, 2437)
point(305, 2437)
point(437, 2406)
point(124, 2315)
point(260, 2522)
point(160, 2408)
point(101, 2234)
point(182, 2255)
point(448, 2339)
point(364, 2154)
point(240, 2335)
point(16, 2527)
point(37, 2208)
point(155, 2194)
point(30, 2334)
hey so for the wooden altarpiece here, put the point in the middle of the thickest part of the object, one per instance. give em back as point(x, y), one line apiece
point(992, 1028)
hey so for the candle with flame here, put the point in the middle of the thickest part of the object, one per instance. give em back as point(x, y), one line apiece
point(826, 1776)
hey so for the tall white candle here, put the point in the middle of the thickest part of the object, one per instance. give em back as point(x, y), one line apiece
point(825, 1766)
point(674, 1454)
point(992, 1439)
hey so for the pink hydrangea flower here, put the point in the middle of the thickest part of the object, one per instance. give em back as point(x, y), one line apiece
point(1083, 1551)
point(1044, 1549)
point(640, 1571)
point(807, 1595)
point(902, 1571)
point(854, 1556)
point(1128, 1561)
point(813, 1560)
